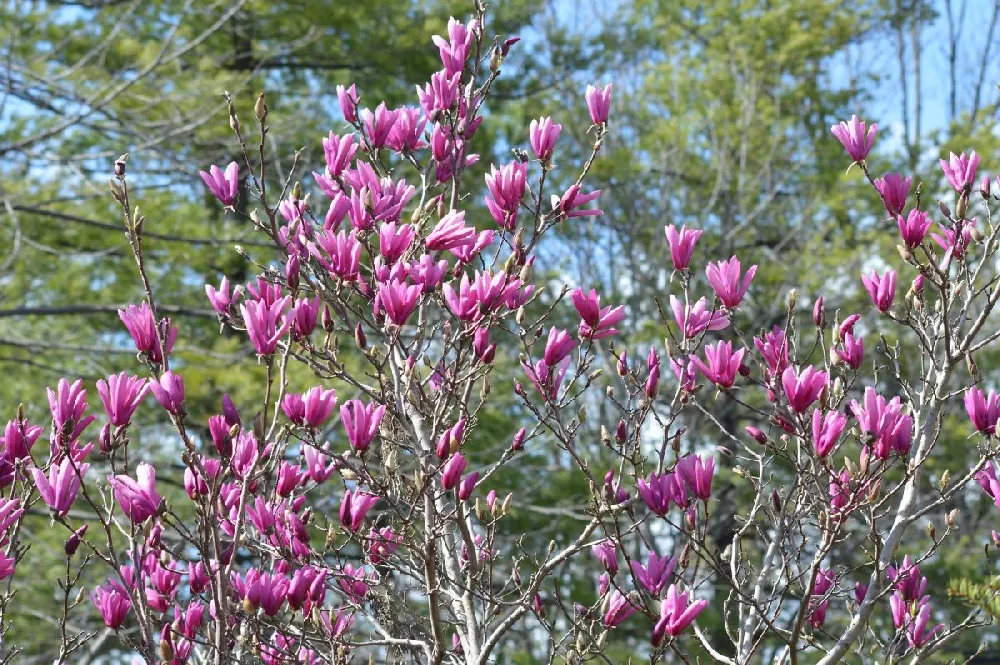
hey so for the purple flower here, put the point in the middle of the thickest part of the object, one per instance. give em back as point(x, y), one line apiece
point(677, 612)
point(543, 134)
point(618, 607)
point(398, 299)
point(361, 422)
point(657, 492)
point(121, 395)
point(881, 289)
point(681, 244)
point(723, 365)
point(960, 170)
point(983, 410)
point(597, 322)
point(854, 138)
point(852, 351)
point(894, 189)
point(348, 98)
point(142, 326)
point(655, 575)
point(19, 438)
point(804, 388)
point(724, 277)
point(67, 404)
point(354, 507)
point(169, 392)
point(826, 430)
point(266, 324)
point(606, 552)
point(224, 185)
point(59, 488)
point(696, 319)
point(506, 189)
point(451, 472)
point(913, 229)
point(139, 500)
point(598, 103)
point(112, 601)
point(697, 472)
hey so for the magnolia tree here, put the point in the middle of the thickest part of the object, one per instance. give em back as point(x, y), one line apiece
point(388, 292)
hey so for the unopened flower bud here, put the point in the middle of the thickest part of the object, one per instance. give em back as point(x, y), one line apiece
point(776, 501)
point(120, 165)
point(945, 210)
point(984, 187)
point(260, 108)
point(791, 299)
point(951, 519)
point(73, 542)
point(931, 531)
point(756, 434)
point(975, 234)
point(962, 207)
point(359, 337)
point(819, 313)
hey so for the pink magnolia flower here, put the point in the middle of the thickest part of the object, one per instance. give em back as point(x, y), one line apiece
point(655, 575)
point(441, 93)
point(659, 490)
point(121, 395)
point(854, 138)
point(317, 467)
point(354, 507)
point(724, 277)
point(696, 319)
point(169, 392)
point(606, 552)
point(451, 233)
point(882, 289)
point(266, 591)
point(338, 151)
point(953, 241)
point(682, 244)
point(379, 124)
point(381, 544)
point(774, 349)
point(455, 50)
point(889, 428)
point(677, 612)
point(506, 189)
point(58, 489)
point(67, 404)
point(451, 472)
point(960, 170)
point(138, 499)
point(220, 298)
point(547, 379)
point(826, 430)
point(852, 351)
point(697, 472)
point(393, 240)
point(597, 322)
point(558, 346)
point(983, 410)
point(406, 132)
point(112, 601)
point(894, 189)
point(543, 134)
point(266, 324)
point(914, 228)
point(141, 325)
point(340, 255)
point(361, 422)
point(818, 603)
point(598, 103)
point(722, 366)
point(803, 388)
point(399, 299)
point(573, 203)
point(618, 608)
point(348, 98)
point(224, 185)
point(18, 439)
point(304, 314)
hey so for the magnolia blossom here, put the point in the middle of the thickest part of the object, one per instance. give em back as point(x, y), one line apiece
point(854, 138)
